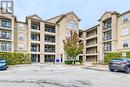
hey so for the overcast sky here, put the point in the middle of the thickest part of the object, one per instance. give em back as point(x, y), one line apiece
point(87, 10)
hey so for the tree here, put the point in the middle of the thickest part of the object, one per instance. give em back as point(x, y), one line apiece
point(73, 46)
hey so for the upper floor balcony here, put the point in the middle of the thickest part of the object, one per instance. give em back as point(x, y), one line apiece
point(5, 24)
point(91, 43)
point(91, 51)
point(50, 38)
point(35, 37)
point(50, 29)
point(5, 35)
point(107, 38)
point(35, 48)
point(107, 25)
point(5, 46)
point(35, 27)
point(81, 34)
point(107, 48)
point(91, 34)
point(49, 48)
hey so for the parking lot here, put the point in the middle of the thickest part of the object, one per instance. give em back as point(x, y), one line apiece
point(50, 75)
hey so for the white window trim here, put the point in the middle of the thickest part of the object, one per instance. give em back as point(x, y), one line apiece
point(71, 25)
point(21, 47)
point(124, 17)
point(125, 31)
point(21, 35)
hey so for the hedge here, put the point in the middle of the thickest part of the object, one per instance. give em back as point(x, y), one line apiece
point(14, 58)
point(69, 62)
point(112, 55)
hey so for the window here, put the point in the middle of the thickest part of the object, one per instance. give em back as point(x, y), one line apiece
point(21, 46)
point(21, 26)
point(72, 25)
point(5, 35)
point(125, 43)
point(21, 36)
point(68, 34)
point(6, 23)
point(125, 31)
point(6, 46)
point(125, 18)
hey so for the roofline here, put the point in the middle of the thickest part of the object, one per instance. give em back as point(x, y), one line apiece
point(92, 28)
point(112, 12)
point(124, 13)
point(21, 22)
point(34, 15)
point(62, 15)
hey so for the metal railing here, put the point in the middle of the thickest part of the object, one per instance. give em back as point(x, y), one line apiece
point(91, 43)
point(109, 37)
point(90, 35)
point(108, 48)
point(91, 52)
point(5, 48)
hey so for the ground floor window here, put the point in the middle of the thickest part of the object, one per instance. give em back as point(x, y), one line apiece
point(49, 58)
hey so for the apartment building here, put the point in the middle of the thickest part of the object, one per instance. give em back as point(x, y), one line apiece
point(112, 34)
point(6, 33)
point(42, 39)
point(90, 39)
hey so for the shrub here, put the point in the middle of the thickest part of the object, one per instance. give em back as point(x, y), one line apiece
point(79, 61)
point(112, 55)
point(68, 62)
point(15, 58)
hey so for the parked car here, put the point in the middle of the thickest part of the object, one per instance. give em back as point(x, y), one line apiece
point(120, 64)
point(3, 64)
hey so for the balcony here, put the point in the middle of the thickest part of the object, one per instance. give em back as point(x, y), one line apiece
point(80, 34)
point(5, 24)
point(91, 34)
point(5, 47)
point(5, 36)
point(107, 25)
point(35, 26)
point(107, 48)
point(49, 48)
point(49, 39)
point(35, 37)
point(50, 30)
point(107, 38)
point(91, 52)
point(91, 44)
point(35, 48)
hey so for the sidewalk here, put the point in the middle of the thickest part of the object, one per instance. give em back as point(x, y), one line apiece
point(96, 67)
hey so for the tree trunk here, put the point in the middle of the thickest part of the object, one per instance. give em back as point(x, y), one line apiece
point(73, 60)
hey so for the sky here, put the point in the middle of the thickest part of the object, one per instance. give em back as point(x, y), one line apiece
point(89, 11)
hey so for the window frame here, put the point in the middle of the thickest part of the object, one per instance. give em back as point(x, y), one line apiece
point(125, 43)
point(125, 18)
point(125, 32)
point(19, 37)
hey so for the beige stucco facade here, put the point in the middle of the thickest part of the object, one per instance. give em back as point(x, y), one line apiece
point(113, 35)
point(43, 39)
